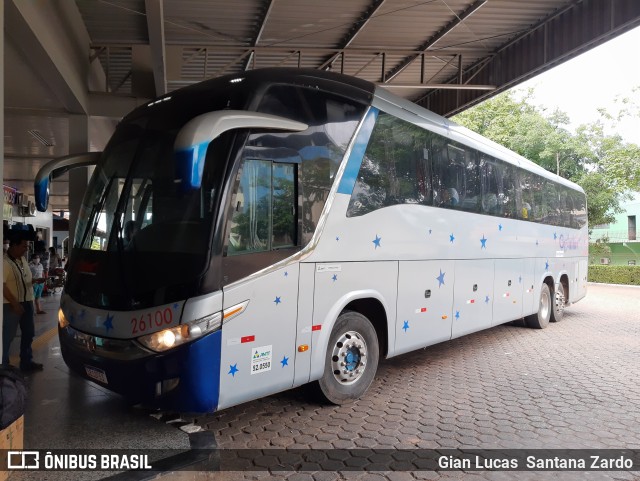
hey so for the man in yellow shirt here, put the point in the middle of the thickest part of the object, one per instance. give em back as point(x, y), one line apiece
point(17, 289)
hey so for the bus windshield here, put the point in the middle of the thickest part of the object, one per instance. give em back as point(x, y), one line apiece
point(149, 236)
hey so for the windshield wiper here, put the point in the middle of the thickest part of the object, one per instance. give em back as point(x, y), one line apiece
point(95, 210)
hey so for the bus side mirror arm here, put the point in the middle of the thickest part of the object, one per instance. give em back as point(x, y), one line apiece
point(190, 146)
point(56, 168)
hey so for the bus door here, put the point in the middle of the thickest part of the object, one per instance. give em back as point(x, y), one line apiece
point(259, 344)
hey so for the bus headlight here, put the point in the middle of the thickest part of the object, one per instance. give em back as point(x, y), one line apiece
point(175, 336)
point(62, 319)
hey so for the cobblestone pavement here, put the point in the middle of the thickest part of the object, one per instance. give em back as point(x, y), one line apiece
point(572, 385)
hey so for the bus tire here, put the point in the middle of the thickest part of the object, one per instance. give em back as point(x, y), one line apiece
point(352, 359)
point(557, 313)
point(540, 320)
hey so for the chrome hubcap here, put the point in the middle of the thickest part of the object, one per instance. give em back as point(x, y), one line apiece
point(545, 305)
point(349, 357)
point(559, 300)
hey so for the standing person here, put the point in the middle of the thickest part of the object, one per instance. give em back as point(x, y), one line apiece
point(54, 259)
point(17, 289)
point(37, 274)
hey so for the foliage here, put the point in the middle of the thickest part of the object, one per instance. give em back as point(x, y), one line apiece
point(615, 274)
point(603, 164)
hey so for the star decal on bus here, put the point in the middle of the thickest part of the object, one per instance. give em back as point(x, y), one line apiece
point(457, 315)
point(376, 241)
point(277, 300)
point(555, 236)
point(285, 361)
point(546, 265)
point(440, 278)
point(451, 238)
point(108, 324)
point(335, 277)
point(233, 369)
point(486, 300)
point(483, 241)
point(405, 326)
point(500, 227)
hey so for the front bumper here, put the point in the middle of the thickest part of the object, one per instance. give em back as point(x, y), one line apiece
point(185, 379)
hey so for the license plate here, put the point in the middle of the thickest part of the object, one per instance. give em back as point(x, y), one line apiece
point(97, 374)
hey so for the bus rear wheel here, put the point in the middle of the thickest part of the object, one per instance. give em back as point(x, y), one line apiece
point(559, 300)
point(352, 359)
point(540, 320)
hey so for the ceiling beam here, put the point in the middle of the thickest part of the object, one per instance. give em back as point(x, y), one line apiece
point(55, 43)
point(155, 27)
point(457, 20)
point(541, 47)
point(355, 29)
point(267, 8)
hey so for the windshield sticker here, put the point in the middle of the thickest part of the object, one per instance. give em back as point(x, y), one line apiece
point(261, 359)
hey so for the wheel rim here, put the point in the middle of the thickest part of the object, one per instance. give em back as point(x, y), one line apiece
point(560, 300)
point(348, 359)
point(545, 305)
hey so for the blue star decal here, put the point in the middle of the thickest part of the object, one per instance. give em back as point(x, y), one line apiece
point(233, 369)
point(486, 299)
point(337, 239)
point(440, 278)
point(286, 274)
point(520, 280)
point(277, 300)
point(108, 324)
point(499, 227)
point(546, 266)
point(376, 241)
point(536, 241)
point(483, 241)
point(335, 277)
point(555, 236)
point(430, 231)
point(285, 361)
point(405, 326)
point(457, 315)
point(451, 238)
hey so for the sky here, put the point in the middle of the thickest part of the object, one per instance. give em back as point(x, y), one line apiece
point(594, 79)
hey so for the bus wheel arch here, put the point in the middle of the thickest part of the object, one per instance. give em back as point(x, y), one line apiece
point(375, 312)
point(351, 360)
point(559, 298)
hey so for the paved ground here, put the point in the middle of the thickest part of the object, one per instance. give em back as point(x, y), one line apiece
point(572, 385)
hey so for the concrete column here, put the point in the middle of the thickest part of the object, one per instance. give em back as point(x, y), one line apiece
point(79, 177)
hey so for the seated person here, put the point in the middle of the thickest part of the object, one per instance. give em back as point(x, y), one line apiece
point(130, 230)
point(449, 197)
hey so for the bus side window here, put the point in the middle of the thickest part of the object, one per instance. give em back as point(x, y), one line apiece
point(263, 212)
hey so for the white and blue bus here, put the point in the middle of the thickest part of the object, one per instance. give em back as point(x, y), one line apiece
point(283, 226)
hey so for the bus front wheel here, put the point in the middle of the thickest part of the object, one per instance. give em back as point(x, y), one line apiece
point(540, 320)
point(352, 359)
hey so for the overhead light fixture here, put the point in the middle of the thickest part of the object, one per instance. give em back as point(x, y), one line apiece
point(40, 138)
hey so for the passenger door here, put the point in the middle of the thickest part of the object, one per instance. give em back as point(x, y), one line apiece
point(258, 345)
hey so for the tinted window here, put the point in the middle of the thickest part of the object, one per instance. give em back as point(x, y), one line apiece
point(395, 167)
